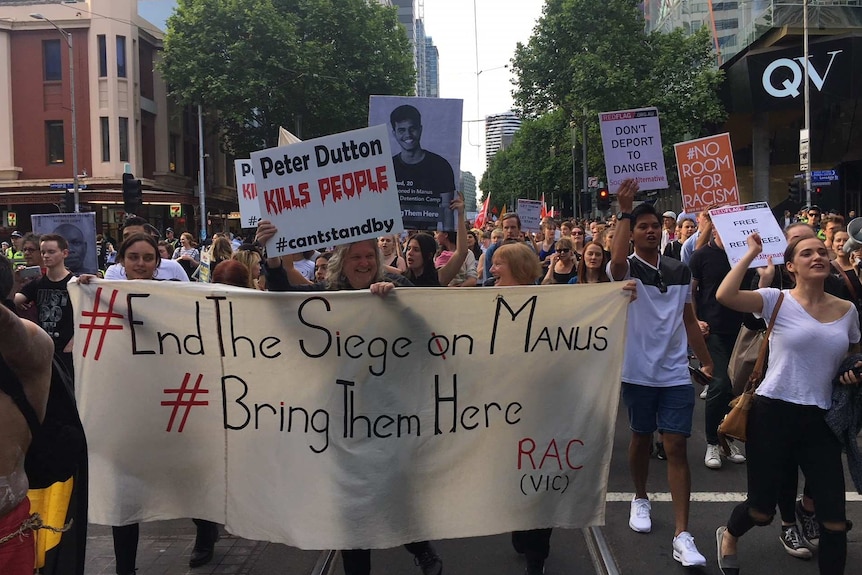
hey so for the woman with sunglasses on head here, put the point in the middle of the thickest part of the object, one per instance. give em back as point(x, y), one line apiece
point(786, 423)
point(562, 266)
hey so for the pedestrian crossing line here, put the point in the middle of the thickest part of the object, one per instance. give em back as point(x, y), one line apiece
point(702, 496)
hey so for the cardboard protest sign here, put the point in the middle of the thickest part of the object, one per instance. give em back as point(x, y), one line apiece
point(344, 420)
point(425, 134)
point(707, 174)
point(249, 206)
point(632, 145)
point(530, 212)
point(736, 223)
point(79, 231)
point(328, 191)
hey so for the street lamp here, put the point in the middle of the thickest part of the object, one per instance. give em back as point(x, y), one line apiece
point(68, 37)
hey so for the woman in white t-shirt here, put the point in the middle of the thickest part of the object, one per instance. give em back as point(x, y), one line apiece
point(812, 335)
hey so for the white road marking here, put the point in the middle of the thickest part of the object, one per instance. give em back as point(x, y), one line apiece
point(702, 496)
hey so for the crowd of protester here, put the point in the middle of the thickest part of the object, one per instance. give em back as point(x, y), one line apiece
point(688, 307)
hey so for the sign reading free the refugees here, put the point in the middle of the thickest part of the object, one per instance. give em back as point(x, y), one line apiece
point(328, 191)
point(707, 174)
point(632, 145)
point(736, 223)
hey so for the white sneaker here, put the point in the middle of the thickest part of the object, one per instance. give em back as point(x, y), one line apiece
point(704, 392)
point(712, 459)
point(639, 519)
point(685, 552)
point(735, 455)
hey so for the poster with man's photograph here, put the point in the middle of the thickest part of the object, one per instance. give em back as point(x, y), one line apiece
point(79, 231)
point(425, 136)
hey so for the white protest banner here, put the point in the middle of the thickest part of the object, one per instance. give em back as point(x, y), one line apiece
point(707, 173)
point(249, 207)
point(328, 191)
point(530, 213)
point(632, 145)
point(79, 231)
point(343, 420)
point(736, 223)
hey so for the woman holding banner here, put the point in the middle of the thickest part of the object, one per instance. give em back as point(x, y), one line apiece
point(139, 254)
point(356, 266)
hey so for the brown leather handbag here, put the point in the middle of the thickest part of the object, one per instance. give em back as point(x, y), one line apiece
point(735, 423)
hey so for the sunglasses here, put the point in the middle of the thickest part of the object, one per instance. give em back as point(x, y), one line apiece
point(660, 283)
point(564, 251)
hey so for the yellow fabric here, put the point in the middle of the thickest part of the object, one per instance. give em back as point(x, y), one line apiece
point(52, 504)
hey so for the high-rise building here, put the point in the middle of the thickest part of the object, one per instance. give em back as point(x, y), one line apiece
point(431, 73)
point(468, 188)
point(407, 18)
point(499, 131)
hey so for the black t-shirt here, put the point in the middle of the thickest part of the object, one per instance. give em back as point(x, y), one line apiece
point(54, 308)
point(420, 187)
point(709, 266)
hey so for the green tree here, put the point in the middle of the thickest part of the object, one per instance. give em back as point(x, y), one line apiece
point(307, 65)
point(591, 56)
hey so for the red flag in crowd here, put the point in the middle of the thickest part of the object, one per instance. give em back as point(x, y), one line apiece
point(483, 213)
point(544, 213)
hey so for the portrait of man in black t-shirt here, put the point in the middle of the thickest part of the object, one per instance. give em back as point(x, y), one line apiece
point(426, 181)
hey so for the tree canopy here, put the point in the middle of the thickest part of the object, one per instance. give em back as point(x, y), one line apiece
point(307, 65)
point(592, 56)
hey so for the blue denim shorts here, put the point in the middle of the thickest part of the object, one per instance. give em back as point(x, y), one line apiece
point(668, 409)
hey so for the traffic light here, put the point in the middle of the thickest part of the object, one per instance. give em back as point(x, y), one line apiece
point(132, 196)
point(817, 194)
point(794, 191)
point(69, 202)
point(603, 199)
point(586, 203)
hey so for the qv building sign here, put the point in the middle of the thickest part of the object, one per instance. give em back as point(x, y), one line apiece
point(774, 79)
point(789, 75)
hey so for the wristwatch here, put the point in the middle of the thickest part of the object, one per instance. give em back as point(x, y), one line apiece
point(624, 216)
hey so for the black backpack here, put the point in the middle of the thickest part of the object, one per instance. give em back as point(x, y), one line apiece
point(58, 444)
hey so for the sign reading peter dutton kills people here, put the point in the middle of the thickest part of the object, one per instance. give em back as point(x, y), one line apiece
point(707, 174)
point(328, 191)
point(632, 145)
point(249, 207)
point(344, 420)
point(736, 223)
point(79, 231)
point(425, 134)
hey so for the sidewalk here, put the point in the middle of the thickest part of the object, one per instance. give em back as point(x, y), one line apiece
point(165, 546)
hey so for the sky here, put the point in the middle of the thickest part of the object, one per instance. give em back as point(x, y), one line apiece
point(500, 24)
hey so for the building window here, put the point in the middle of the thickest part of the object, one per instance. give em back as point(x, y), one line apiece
point(103, 56)
point(124, 139)
point(106, 139)
point(55, 141)
point(728, 24)
point(121, 56)
point(51, 56)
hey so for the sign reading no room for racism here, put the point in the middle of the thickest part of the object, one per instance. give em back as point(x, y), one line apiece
point(328, 191)
point(707, 174)
point(632, 145)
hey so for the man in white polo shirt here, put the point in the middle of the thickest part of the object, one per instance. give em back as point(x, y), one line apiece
point(657, 388)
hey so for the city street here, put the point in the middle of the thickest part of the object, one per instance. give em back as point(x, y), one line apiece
point(165, 546)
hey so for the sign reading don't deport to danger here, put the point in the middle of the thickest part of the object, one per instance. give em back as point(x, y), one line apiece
point(632, 146)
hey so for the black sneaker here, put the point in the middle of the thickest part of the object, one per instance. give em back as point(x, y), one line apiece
point(535, 567)
point(429, 562)
point(793, 542)
point(659, 451)
point(809, 529)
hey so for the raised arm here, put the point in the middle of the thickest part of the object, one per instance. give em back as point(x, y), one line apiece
point(448, 272)
point(623, 234)
point(729, 294)
point(265, 231)
point(27, 349)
